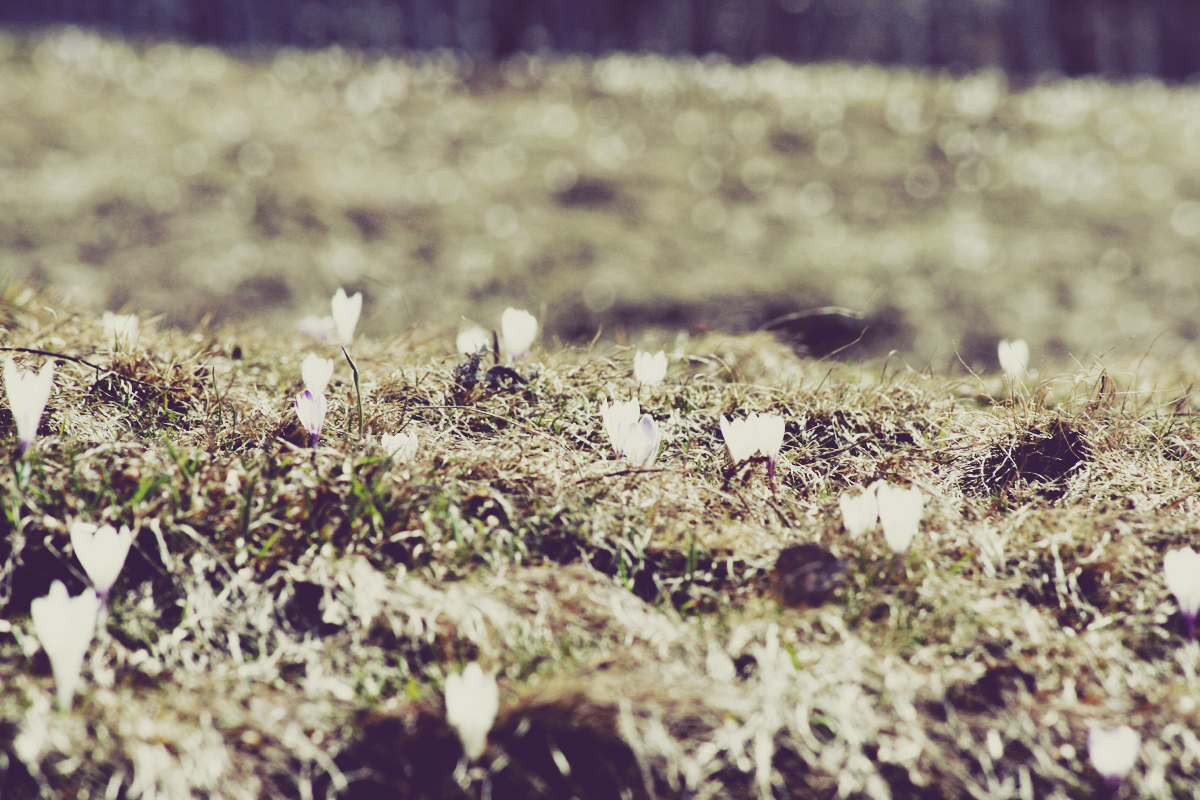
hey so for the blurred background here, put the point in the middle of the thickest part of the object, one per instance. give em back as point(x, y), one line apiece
point(953, 171)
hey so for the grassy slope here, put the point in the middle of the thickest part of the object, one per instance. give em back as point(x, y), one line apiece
point(287, 618)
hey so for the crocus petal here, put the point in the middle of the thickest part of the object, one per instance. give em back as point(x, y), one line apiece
point(1014, 358)
point(65, 626)
point(472, 700)
point(345, 314)
point(316, 372)
point(120, 329)
point(101, 551)
point(900, 513)
point(740, 438)
point(310, 408)
point(1114, 752)
point(649, 369)
point(517, 329)
point(28, 394)
point(859, 513)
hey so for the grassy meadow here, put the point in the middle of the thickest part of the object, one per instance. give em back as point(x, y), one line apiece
point(288, 615)
point(627, 194)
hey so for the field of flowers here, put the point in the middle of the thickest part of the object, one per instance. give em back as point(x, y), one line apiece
point(624, 194)
point(436, 539)
point(253, 564)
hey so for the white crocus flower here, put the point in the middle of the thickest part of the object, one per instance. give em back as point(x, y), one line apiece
point(1114, 752)
point(120, 329)
point(102, 551)
point(65, 626)
point(1181, 570)
point(320, 328)
point(633, 438)
point(400, 446)
point(900, 513)
point(316, 372)
point(472, 700)
point(1014, 358)
point(650, 369)
point(517, 329)
point(859, 514)
point(618, 419)
point(310, 408)
point(345, 314)
point(27, 397)
point(472, 340)
point(641, 441)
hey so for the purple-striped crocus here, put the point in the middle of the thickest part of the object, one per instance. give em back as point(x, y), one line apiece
point(310, 408)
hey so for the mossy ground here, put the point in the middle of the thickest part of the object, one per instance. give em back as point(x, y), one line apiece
point(287, 616)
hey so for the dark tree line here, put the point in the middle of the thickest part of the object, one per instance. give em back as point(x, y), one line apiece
point(1113, 38)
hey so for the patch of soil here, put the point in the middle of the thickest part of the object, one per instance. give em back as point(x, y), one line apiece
point(1045, 455)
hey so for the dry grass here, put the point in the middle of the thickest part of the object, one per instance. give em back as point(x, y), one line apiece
point(286, 619)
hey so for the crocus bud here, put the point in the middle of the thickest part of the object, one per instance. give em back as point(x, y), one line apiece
point(400, 446)
point(860, 513)
point(320, 328)
point(1113, 753)
point(641, 441)
point(101, 551)
point(27, 397)
point(345, 314)
point(472, 700)
point(517, 329)
point(120, 329)
point(310, 408)
point(65, 626)
point(618, 419)
point(650, 369)
point(1181, 569)
point(1014, 358)
point(316, 372)
point(472, 340)
point(900, 513)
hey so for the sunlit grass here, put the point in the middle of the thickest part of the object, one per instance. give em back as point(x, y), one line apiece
point(288, 615)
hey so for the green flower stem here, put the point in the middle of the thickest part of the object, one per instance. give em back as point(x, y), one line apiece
point(357, 390)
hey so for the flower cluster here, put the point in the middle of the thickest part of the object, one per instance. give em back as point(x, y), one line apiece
point(898, 510)
point(634, 438)
point(311, 405)
point(757, 433)
point(65, 625)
